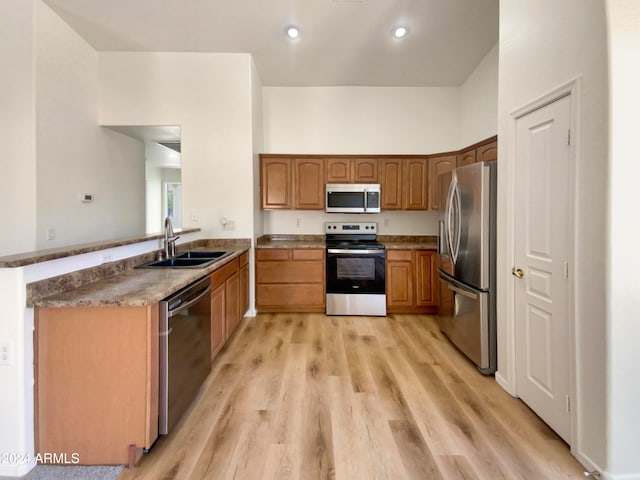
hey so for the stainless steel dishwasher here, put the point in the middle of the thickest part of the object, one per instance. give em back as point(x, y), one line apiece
point(185, 350)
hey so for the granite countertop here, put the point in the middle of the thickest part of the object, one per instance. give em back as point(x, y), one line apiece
point(132, 287)
point(290, 241)
point(413, 242)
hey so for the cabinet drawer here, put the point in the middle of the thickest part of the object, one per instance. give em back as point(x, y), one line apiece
point(399, 255)
point(308, 254)
point(290, 295)
point(272, 254)
point(219, 276)
point(289, 272)
point(244, 258)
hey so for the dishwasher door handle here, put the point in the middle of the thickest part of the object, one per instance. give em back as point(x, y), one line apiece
point(182, 306)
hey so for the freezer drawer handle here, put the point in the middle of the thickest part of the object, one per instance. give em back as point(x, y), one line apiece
point(470, 295)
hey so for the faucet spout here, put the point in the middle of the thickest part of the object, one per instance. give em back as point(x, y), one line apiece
point(169, 238)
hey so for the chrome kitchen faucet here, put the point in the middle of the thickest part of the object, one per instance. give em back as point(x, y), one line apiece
point(169, 239)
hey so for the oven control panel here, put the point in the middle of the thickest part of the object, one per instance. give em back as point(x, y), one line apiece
point(352, 228)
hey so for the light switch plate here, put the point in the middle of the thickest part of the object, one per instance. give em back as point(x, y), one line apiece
point(6, 354)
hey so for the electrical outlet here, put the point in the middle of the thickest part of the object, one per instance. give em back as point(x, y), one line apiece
point(229, 225)
point(51, 233)
point(194, 215)
point(6, 355)
point(298, 222)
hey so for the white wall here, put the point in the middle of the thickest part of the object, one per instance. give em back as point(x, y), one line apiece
point(479, 101)
point(17, 127)
point(153, 190)
point(624, 264)
point(381, 120)
point(352, 120)
point(209, 96)
point(543, 44)
point(74, 154)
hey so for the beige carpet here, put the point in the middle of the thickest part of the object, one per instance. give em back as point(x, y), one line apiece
point(71, 472)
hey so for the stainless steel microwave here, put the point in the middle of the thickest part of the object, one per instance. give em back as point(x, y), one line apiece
point(352, 197)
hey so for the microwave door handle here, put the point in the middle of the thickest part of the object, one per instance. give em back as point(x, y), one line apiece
point(366, 200)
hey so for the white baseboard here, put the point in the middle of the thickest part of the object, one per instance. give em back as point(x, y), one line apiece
point(506, 386)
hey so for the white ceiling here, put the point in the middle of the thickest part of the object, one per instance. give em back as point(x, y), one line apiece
point(342, 42)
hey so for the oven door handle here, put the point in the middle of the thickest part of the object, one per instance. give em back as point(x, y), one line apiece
point(355, 252)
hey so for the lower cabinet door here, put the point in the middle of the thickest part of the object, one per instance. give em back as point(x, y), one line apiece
point(232, 300)
point(218, 323)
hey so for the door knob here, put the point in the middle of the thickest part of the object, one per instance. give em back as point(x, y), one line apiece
point(517, 272)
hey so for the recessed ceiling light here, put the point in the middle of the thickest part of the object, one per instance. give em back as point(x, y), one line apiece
point(292, 31)
point(400, 32)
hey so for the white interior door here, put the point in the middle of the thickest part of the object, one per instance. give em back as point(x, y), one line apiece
point(542, 248)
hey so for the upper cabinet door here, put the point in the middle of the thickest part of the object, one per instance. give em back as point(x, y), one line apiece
point(309, 184)
point(487, 153)
point(365, 170)
point(338, 170)
point(466, 158)
point(276, 183)
point(415, 175)
point(390, 174)
point(437, 166)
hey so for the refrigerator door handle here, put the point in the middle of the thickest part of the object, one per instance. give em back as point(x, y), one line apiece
point(441, 239)
point(447, 218)
point(453, 221)
point(464, 293)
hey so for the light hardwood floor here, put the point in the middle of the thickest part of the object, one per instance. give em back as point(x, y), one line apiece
point(305, 396)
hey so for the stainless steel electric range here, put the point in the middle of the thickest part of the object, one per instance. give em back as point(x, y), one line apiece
point(355, 269)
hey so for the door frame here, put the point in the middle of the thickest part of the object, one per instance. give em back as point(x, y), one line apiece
point(506, 375)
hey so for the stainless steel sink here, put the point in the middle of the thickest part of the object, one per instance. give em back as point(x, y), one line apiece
point(190, 259)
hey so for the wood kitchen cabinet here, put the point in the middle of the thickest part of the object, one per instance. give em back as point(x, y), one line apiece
point(225, 303)
point(96, 372)
point(403, 183)
point(290, 280)
point(466, 158)
point(426, 278)
point(229, 300)
point(399, 280)
point(437, 166)
point(407, 182)
point(218, 320)
point(487, 152)
point(308, 184)
point(275, 183)
point(244, 283)
point(390, 183)
point(411, 282)
point(352, 170)
point(287, 182)
point(414, 182)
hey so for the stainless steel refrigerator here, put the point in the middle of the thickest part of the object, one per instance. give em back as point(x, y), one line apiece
point(467, 271)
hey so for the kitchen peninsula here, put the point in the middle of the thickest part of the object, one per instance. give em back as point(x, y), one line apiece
point(97, 354)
